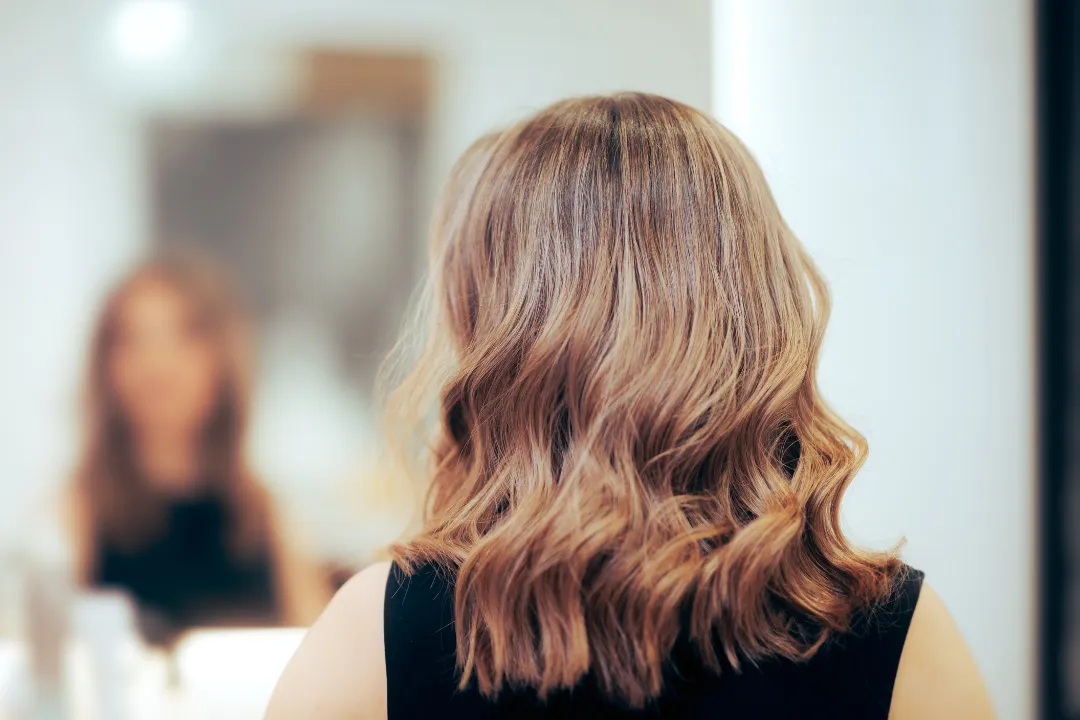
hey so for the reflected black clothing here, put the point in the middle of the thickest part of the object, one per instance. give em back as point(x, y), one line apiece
point(187, 576)
point(851, 677)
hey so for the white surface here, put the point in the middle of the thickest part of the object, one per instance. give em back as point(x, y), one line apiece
point(230, 674)
point(142, 697)
point(224, 675)
point(897, 137)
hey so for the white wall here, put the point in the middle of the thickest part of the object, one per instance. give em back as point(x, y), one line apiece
point(500, 59)
point(897, 137)
point(70, 206)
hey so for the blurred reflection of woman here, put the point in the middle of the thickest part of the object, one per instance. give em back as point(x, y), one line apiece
point(165, 506)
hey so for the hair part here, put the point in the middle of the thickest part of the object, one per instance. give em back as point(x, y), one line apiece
point(620, 341)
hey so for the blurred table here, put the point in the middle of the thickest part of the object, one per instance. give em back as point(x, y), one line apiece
point(229, 674)
point(219, 675)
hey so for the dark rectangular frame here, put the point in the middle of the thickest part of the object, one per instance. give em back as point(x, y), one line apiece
point(1057, 51)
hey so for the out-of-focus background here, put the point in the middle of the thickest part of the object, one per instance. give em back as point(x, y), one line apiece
point(295, 149)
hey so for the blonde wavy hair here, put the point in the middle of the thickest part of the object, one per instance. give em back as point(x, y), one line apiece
point(620, 338)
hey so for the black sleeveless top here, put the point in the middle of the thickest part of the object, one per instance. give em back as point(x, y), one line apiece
point(850, 677)
point(187, 577)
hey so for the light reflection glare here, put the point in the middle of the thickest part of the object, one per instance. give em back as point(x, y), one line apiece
point(150, 30)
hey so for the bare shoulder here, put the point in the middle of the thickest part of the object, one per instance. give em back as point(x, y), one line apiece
point(339, 670)
point(937, 677)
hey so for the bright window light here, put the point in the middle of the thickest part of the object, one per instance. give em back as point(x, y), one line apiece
point(150, 30)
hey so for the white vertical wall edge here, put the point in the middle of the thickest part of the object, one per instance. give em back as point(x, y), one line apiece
point(898, 139)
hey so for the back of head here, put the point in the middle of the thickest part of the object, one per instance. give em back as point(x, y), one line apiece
point(624, 345)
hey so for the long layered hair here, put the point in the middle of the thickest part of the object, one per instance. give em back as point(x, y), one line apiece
point(620, 340)
point(120, 507)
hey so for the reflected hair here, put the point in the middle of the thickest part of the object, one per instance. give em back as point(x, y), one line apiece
point(614, 387)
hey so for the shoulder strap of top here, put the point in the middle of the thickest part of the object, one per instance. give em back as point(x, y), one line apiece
point(893, 618)
point(419, 642)
point(863, 662)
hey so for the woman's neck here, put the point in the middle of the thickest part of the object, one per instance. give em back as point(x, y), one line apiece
point(171, 465)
